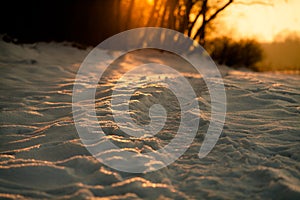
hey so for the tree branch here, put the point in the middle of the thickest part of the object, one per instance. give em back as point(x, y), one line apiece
point(219, 10)
point(193, 23)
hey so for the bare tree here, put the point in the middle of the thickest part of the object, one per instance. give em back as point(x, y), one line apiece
point(182, 22)
point(176, 14)
point(129, 13)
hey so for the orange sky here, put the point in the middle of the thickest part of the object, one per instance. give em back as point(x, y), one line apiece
point(263, 22)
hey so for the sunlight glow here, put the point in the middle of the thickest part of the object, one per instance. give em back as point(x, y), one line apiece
point(150, 2)
point(261, 21)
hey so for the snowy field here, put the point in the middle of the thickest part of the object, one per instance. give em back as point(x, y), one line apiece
point(42, 157)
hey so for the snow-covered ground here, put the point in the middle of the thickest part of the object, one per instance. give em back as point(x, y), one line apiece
point(41, 154)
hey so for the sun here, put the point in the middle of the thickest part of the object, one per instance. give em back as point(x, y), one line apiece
point(150, 2)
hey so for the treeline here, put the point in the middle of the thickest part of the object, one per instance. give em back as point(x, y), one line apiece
point(93, 21)
point(89, 22)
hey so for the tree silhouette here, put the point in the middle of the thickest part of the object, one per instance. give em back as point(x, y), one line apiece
point(176, 14)
point(90, 22)
point(191, 17)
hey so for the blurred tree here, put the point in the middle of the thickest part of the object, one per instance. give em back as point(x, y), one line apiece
point(191, 17)
point(90, 22)
point(181, 15)
point(207, 13)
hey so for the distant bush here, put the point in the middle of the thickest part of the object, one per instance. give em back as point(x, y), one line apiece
point(242, 53)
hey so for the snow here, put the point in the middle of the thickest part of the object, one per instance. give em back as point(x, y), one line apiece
point(42, 156)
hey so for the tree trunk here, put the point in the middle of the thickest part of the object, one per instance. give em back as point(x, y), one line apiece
point(129, 12)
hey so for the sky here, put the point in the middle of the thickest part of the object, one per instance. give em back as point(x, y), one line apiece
point(261, 21)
